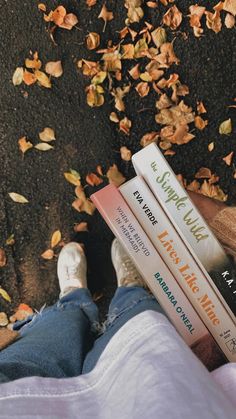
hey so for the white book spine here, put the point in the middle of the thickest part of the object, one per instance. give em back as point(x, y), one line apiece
point(170, 296)
point(191, 226)
point(175, 254)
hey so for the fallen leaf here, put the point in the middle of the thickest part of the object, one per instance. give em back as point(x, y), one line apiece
point(93, 40)
point(163, 102)
point(172, 18)
point(91, 3)
point(69, 21)
point(169, 153)
point(18, 76)
point(200, 123)
point(180, 114)
point(24, 145)
point(105, 15)
point(213, 21)
point(58, 15)
point(29, 78)
point(229, 21)
point(113, 117)
point(114, 176)
point(93, 180)
point(73, 177)
point(5, 295)
point(201, 108)
point(83, 226)
point(89, 68)
point(3, 258)
point(22, 312)
point(226, 127)
point(202, 173)
point(54, 68)
point(95, 96)
point(125, 125)
point(134, 72)
point(140, 48)
point(48, 254)
point(43, 147)
point(83, 204)
point(211, 146)
point(3, 319)
point(159, 36)
point(127, 52)
point(43, 79)
point(142, 88)
point(213, 191)
point(42, 7)
point(152, 4)
point(56, 238)
point(150, 137)
point(119, 94)
point(228, 159)
point(230, 6)
point(47, 135)
point(34, 64)
point(10, 241)
point(18, 198)
point(135, 11)
point(125, 153)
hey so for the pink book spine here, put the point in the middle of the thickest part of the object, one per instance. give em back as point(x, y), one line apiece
point(161, 282)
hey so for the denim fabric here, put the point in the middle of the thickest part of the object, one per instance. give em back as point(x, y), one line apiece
point(60, 341)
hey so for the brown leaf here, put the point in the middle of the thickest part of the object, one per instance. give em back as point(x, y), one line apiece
point(211, 146)
point(213, 21)
point(83, 204)
point(29, 78)
point(229, 21)
point(172, 18)
point(113, 117)
point(135, 11)
point(54, 68)
point(152, 4)
point(48, 254)
point(213, 191)
point(89, 68)
point(167, 56)
point(56, 238)
point(202, 173)
point(95, 96)
point(228, 159)
point(34, 64)
point(125, 125)
point(105, 15)
point(93, 180)
point(42, 7)
point(150, 137)
point(47, 135)
point(230, 6)
point(200, 123)
point(69, 21)
point(18, 198)
point(93, 40)
point(18, 76)
point(81, 227)
point(163, 102)
point(196, 13)
point(91, 3)
point(134, 72)
point(201, 108)
point(118, 94)
point(127, 52)
point(142, 88)
point(180, 114)
point(125, 153)
point(3, 258)
point(114, 176)
point(169, 152)
point(24, 145)
point(43, 79)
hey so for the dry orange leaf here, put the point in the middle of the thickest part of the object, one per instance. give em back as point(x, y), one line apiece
point(47, 135)
point(81, 227)
point(3, 258)
point(213, 21)
point(127, 52)
point(48, 254)
point(200, 123)
point(230, 6)
point(114, 176)
point(58, 15)
point(229, 21)
point(211, 146)
point(93, 180)
point(125, 125)
point(69, 22)
point(134, 72)
point(150, 137)
point(135, 11)
point(34, 64)
point(118, 94)
point(202, 173)
point(29, 78)
point(43, 147)
point(56, 238)
point(18, 76)
point(152, 4)
point(93, 40)
point(113, 117)
point(42, 7)
point(106, 15)
point(142, 88)
point(24, 145)
point(125, 153)
point(18, 198)
point(95, 96)
point(83, 204)
point(228, 159)
point(91, 3)
point(43, 79)
point(54, 68)
point(172, 18)
point(169, 153)
point(201, 108)
point(22, 312)
point(213, 191)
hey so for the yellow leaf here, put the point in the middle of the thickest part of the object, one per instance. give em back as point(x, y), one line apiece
point(18, 198)
point(54, 68)
point(211, 146)
point(99, 78)
point(47, 135)
point(159, 36)
point(18, 75)
point(73, 178)
point(226, 127)
point(48, 254)
point(42, 7)
point(5, 295)
point(56, 238)
point(43, 147)
point(24, 145)
point(43, 79)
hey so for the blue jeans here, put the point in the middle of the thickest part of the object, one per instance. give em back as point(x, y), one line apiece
point(66, 340)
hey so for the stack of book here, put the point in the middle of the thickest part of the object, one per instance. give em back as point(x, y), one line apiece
point(175, 251)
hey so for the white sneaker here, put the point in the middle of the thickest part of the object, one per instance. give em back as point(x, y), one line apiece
point(126, 272)
point(71, 268)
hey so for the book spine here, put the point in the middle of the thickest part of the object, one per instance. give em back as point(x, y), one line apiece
point(126, 228)
point(179, 260)
point(192, 228)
